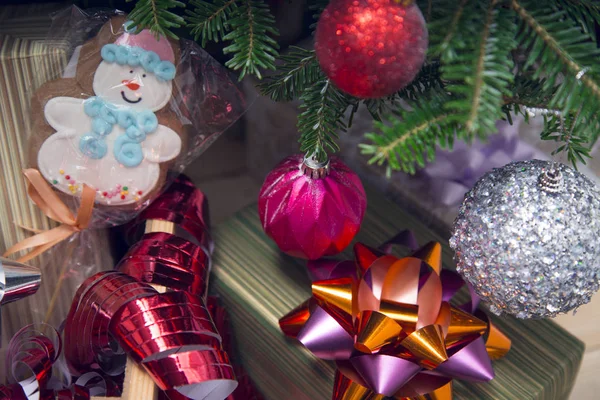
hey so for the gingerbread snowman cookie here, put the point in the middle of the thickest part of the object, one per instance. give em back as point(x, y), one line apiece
point(115, 140)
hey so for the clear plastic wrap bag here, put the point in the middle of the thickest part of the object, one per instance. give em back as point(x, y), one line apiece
point(129, 113)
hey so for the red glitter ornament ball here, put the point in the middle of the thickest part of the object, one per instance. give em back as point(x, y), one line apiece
point(371, 48)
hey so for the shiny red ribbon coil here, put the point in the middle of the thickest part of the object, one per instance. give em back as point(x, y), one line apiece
point(184, 205)
point(171, 334)
point(168, 260)
point(32, 354)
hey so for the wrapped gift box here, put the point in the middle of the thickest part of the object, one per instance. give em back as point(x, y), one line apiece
point(259, 284)
point(26, 62)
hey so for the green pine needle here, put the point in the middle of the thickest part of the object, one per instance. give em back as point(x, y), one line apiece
point(321, 118)
point(253, 48)
point(156, 16)
point(298, 70)
point(208, 21)
point(479, 69)
point(409, 138)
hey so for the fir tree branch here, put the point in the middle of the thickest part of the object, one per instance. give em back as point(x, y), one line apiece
point(208, 21)
point(299, 70)
point(321, 117)
point(571, 133)
point(584, 12)
point(567, 58)
point(252, 47)
point(404, 139)
point(442, 30)
point(480, 73)
point(155, 16)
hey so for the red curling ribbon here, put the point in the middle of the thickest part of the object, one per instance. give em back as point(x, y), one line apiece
point(183, 204)
point(86, 328)
point(246, 389)
point(166, 322)
point(32, 354)
point(171, 334)
point(167, 260)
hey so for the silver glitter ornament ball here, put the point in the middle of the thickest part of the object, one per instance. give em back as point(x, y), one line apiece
point(527, 238)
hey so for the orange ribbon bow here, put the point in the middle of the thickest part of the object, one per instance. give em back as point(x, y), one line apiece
point(48, 201)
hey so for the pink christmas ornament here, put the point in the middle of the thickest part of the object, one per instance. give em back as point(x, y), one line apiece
point(311, 210)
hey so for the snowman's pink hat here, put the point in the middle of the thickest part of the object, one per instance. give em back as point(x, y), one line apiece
point(147, 41)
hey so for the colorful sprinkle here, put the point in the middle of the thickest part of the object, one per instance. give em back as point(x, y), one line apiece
point(104, 194)
point(125, 188)
point(109, 196)
point(61, 171)
point(72, 181)
point(140, 192)
point(123, 193)
point(136, 198)
point(122, 197)
point(54, 181)
point(68, 177)
point(119, 187)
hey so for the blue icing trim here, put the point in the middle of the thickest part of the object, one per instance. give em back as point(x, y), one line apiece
point(109, 52)
point(122, 55)
point(136, 134)
point(109, 113)
point(127, 147)
point(129, 27)
point(128, 152)
point(126, 118)
point(92, 146)
point(150, 60)
point(92, 106)
point(165, 70)
point(101, 127)
point(135, 56)
point(147, 121)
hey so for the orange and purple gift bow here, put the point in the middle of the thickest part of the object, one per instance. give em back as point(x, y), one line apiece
point(388, 324)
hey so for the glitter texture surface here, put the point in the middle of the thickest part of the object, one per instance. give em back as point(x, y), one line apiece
point(371, 48)
point(529, 252)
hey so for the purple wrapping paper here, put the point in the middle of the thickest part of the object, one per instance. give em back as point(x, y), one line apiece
point(454, 172)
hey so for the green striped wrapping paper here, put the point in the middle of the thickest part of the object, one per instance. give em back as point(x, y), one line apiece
point(259, 284)
point(26, 62)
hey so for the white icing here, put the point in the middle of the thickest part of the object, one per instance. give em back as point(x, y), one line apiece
point(60, 152)
point(109, 83)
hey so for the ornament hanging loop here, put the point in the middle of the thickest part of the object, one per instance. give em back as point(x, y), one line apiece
point(313, 168)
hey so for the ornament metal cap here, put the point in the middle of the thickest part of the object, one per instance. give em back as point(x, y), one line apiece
point(313, 168)
point(551, 180)
point(17, 280)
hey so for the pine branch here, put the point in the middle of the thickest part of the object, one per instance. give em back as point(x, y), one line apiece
point(300, 69)
point(406, 138)
point(321, 118)
point(317, 7)
point(567, 58)
point(480, 73)
point(586, 13)
point(571, 132)
point(252, 47)
point(208, 21)
point(155, 16)
point(444, 26)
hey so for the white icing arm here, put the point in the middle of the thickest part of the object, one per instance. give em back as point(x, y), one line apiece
point(66, 114)
point(162, 145)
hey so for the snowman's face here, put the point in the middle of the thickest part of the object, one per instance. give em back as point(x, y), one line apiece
point(131, 86)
